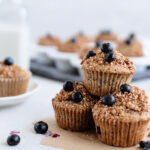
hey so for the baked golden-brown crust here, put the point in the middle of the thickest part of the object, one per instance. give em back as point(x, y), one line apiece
point(133, 50)
point(12, 71)
point(65, 97)
point(128, 107)
point(121, 64)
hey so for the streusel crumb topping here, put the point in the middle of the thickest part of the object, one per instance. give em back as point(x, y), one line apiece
point(65, 97)
point(12, 71)
point(120, 65)
point(127, 106)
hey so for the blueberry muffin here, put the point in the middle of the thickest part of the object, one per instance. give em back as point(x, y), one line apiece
point(49, 40)
point(131, 47)
point(73, 107)
point(13, 79)
point(73, 45)
point(105, 70)
point(107, 36)
point(122, 118)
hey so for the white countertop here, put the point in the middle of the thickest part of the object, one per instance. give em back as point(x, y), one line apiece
point(20, 117)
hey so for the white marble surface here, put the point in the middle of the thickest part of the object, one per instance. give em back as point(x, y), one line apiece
point(20, 117)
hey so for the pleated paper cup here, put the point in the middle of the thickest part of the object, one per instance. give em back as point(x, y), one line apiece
point(72, 118)
point(119, 133)
point(14, 86)
point(100, 83)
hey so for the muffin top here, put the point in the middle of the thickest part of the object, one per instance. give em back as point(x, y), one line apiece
point(106, 35)
point(130, 103)
point(130, 47)
point(10, 70)
point(74, 95)
point(72, 45)
point(108, 60)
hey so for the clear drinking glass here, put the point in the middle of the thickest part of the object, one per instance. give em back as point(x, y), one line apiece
point(14, 32)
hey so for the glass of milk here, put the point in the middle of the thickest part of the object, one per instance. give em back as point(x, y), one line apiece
point(14, 32)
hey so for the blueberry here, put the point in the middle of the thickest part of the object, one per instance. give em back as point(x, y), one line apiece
point(90, 54)
point(81, 33)
point(106, 48)
point(132, 35)
point(142, 144)
point(13, 140)
point(41, 127)
point(48, 35)
point(76, 97)
point(68, 86)
point(74, 40)
point(110, 57)
point(128, 41)
point(8, 61)
point(125, 88)
point(98, 44)
point(108, 100)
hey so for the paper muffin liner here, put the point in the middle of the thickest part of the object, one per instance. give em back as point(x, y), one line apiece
point(72, 118)
point(119, 133)
point(14, 86)
point(101, 83)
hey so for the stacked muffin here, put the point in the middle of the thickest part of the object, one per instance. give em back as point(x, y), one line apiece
point(121, 112)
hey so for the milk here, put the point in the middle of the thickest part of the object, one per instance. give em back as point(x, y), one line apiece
point(14, 42)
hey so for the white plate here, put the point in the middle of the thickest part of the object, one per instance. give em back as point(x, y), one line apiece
point(12, 100)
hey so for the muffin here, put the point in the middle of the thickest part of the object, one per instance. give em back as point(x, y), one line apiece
point(105, 70)
point(88, 48)
point(107, 36)
point(72, 45)
point(49, 40)
point(131, 47)
point(122, 118)
point(13, 79)
point(73, 107)
point(84, 38)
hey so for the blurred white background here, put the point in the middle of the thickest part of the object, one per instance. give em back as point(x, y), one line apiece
point(65, 17)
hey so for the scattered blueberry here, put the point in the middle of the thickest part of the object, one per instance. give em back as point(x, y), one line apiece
point(132, 35)
point(128, 41)
point(8, 61)
point(98, 130)
point(110, 57)
point(142, 144)
point(13, 140)
point(125, 88)
point(106, 48)
point(98, 44)
point(74, 40)
point(76, 97)
point(41, 127)
point(108, 100)
point(68, 86)
point(90, 54)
